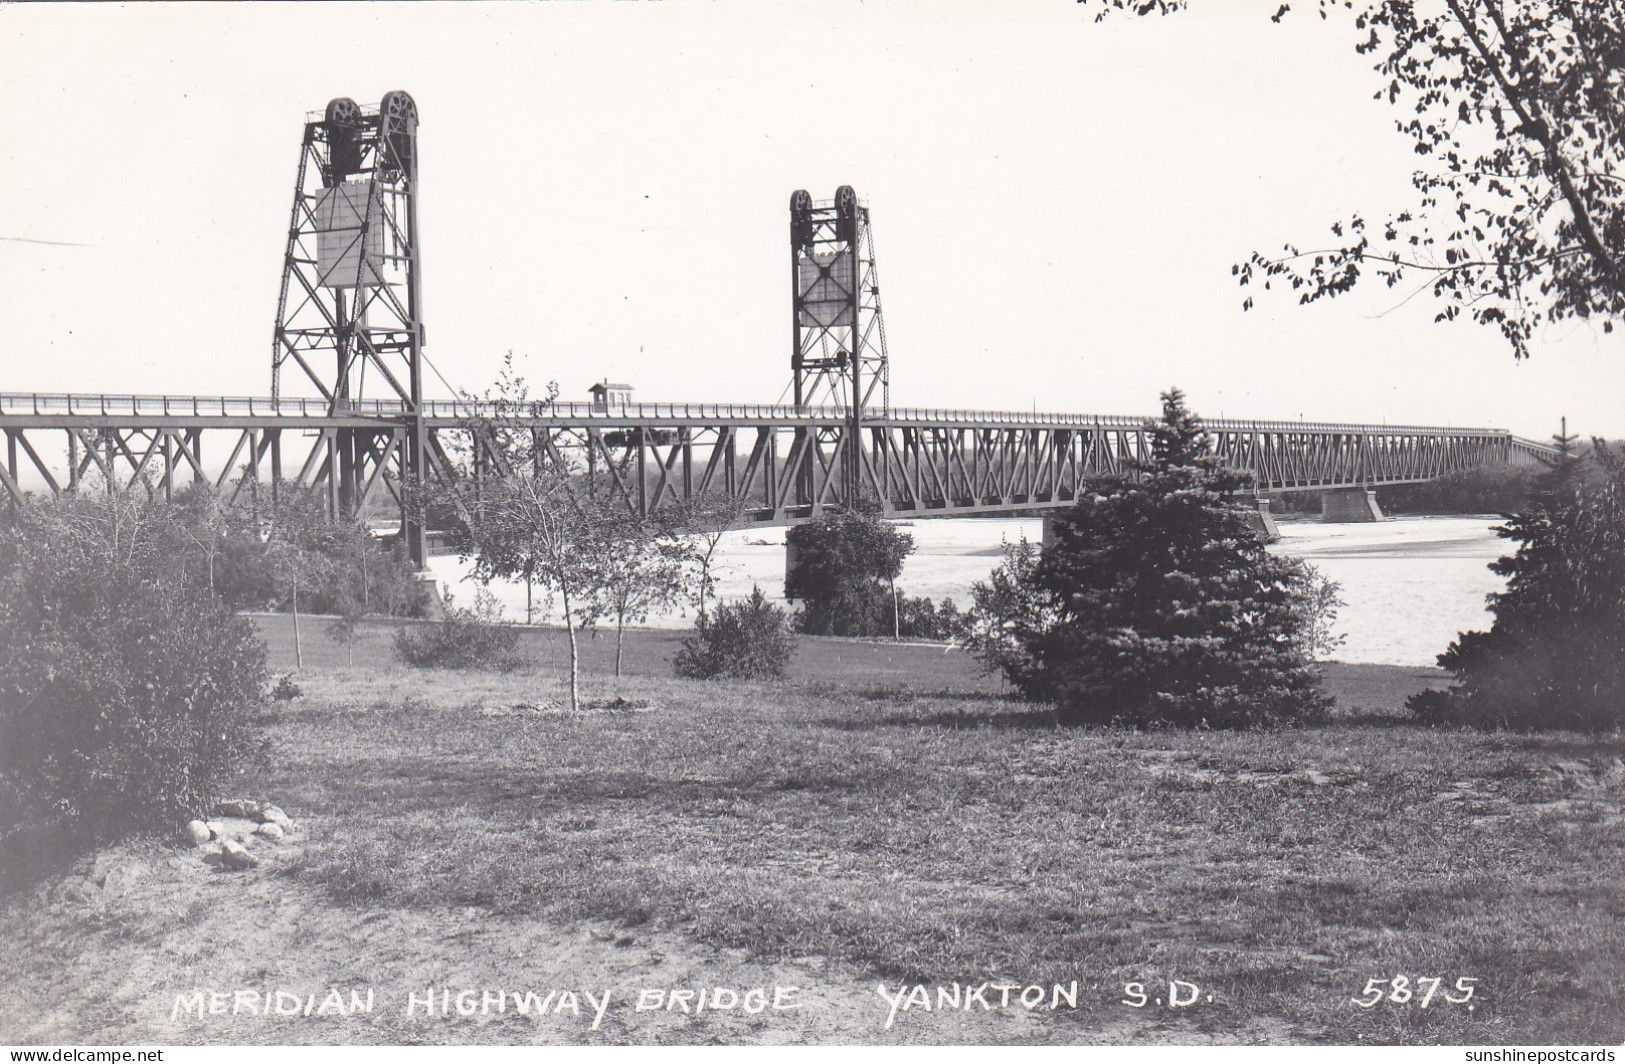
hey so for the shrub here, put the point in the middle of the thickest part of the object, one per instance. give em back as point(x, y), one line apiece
point(469, 638)
point(844, 563)
point(1158, 604)
point(128, 693)
point(1009, 613)
point(286, 690)
point(255, 557)
point(1555, 656)
point(919, 618)
point(744, 640)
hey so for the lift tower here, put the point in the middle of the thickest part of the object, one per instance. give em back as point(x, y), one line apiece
point(838, 351)
point(351, 304)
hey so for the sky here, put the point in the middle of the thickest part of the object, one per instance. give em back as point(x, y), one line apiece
point(1056, 204)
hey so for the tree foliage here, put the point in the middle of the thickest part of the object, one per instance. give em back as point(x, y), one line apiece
point(1157, 602)
point(1519, 211)
point(129, 692)
point(1555, 655)
point(845, 565)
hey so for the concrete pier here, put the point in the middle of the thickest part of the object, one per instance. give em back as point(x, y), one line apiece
point(1263, 521)
point(1350, 505)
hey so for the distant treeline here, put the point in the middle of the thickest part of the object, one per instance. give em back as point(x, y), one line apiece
point(1477, 491)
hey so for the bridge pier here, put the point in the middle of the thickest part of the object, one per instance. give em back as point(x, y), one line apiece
point(792, 559)
point(1350, 505)
point(1262, 521)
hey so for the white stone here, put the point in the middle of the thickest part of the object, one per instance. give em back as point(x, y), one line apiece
point(269, 830)
point(198, 832)
point(238, 807)
point(235, 855)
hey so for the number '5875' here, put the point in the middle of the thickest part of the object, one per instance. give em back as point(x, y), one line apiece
point(1401, 991)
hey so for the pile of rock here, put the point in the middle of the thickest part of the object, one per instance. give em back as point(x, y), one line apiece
point(239, 822)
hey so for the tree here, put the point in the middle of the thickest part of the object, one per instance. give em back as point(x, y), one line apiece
point(530, 525)
point(1555, 654)
point(641, 571)
point(300, 543)
point(530, 514)
point(1157, 603)
point(205, 523)
point(843, 559)
point(1519, 219)
point(705, 520)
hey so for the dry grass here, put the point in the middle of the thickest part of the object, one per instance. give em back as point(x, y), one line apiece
point(952, 835)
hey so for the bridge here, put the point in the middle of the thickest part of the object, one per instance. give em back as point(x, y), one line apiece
point(348, 306)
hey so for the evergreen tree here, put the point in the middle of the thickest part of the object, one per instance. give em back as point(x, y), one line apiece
point(1555, 655)
point(1167, 608)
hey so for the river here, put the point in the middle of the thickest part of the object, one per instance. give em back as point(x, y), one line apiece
point(1408, 585)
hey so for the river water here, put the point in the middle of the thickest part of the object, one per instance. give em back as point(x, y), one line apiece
point(1408, 585)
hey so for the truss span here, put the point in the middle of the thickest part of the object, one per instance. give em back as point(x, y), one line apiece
point(786, 462)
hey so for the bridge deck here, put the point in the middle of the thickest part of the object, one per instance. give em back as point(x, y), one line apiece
point(40, 408)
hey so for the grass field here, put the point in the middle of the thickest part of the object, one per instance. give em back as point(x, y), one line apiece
point(884, 816)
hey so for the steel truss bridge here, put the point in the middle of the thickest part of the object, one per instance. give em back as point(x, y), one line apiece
point(785, 463)
point(348, 320)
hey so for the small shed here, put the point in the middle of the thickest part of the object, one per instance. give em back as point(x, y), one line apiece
point(607, 396)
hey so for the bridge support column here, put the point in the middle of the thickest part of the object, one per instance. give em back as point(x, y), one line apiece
point(1263, 522)
point(434, 604)
point(792, 558)
point(1050, 521)
point(1350, 505)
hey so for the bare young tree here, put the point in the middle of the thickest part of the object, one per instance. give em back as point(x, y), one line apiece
point(524, 509)
point(642, 571)
point(703, 522)
point(531, 524)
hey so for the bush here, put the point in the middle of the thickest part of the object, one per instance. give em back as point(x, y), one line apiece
point(742, 640)
point(1555, 656)
point(1157, 603)
point(1009, 614)
point(919, 618)
point(844, 563)
point(249, 556)
point(128, 694)
point(469, 638)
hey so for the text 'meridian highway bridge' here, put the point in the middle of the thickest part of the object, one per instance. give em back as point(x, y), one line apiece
point(349, 310)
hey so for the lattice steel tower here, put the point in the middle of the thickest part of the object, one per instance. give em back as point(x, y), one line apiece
point(350, 304)
point(838, 351)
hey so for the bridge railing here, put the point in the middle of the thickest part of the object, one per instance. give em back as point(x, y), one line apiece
point(52, 404)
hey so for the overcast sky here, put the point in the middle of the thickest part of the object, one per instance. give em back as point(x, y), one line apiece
point(1056, 204)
